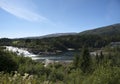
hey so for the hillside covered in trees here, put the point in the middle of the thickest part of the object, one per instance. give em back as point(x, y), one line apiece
point(96, 38)
point(104, 31)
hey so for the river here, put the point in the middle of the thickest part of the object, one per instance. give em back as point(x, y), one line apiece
point(62, 57)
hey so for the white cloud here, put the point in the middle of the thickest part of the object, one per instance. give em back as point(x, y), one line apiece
point(20, 10)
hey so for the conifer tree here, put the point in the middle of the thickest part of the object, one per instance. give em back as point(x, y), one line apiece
point(76, 61)
point(85, 60)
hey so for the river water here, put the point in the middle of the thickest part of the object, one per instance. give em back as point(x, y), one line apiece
point(62, 57)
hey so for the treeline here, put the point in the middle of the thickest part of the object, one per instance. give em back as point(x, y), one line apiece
point(62, 43)
point(5, 42)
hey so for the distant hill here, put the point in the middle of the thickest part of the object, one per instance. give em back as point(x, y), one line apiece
point(107, 30)
point(51, 35)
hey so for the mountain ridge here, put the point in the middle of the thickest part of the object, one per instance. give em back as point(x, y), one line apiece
point(50, 35)
point(106, 30)
point(113, 29)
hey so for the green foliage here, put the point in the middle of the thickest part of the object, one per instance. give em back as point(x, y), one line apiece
point(55, 76)
point(106, 69)
point(104, 75)
point(85, 60)
point(5, 42)
point(18, 79)
point(100, 58)
point(7, 64)
point(76, 61)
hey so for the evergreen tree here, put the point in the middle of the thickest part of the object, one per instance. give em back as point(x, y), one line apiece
point(85, 60)
point(97, 58)
point(101, 57)
point(76, 61)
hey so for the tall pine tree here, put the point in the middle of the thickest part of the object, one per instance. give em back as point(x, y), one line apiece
point(85, 60)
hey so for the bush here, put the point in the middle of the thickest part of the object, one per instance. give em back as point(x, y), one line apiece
point(7, 64)
point(104, 75)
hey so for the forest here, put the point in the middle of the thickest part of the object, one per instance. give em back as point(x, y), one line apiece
point(61, 43)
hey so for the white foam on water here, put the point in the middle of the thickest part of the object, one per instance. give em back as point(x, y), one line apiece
point(20, 51)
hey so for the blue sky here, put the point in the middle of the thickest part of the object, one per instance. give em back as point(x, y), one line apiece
point(23, 18)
